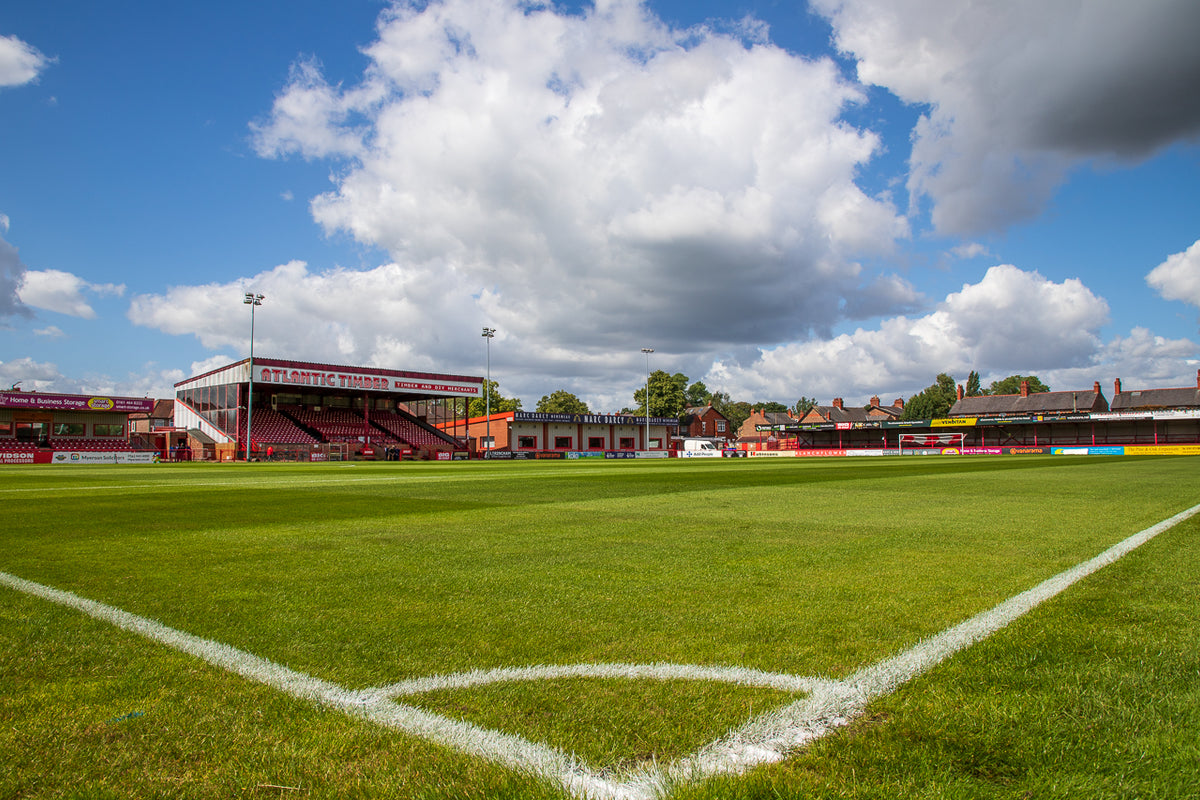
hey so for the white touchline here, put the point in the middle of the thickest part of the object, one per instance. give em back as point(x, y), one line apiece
point(767, 738)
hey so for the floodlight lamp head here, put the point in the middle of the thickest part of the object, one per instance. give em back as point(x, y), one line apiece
point(647, 350)
point(489, 332)
point(253, 299)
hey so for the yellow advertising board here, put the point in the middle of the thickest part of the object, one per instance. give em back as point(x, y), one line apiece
point(1163, 450)
point(954, 422)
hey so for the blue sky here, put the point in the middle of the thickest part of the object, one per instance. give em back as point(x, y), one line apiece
point(839, 199)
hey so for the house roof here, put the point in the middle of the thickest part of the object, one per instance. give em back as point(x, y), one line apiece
point(699, 411)
point(200, 436)
point(163, 409)
point(1157, 398)
point(1036, 403)
point(892, 411)
point(835, 414)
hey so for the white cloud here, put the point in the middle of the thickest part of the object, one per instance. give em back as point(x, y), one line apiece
point(62, 292)
point(568, 175)
point(969, 250)
point(50, 332)
point(591, 184)
point(383, 316)
point(12, 273)
point(210, 364)
point(1141, 360)
point(309, 118)
point(1178, 278)
point(1011, 321)
point(20, 63)
point(1019, 92)
point(148, 381)
point(30, 374)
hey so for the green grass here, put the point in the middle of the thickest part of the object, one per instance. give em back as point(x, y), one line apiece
point(369, 574)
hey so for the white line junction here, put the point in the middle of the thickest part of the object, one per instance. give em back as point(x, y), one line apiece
point(767, 738)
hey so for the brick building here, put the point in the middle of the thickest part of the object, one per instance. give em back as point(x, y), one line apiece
point(838, 412)
point(706, 422)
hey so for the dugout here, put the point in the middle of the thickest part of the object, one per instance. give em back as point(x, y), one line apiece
point(310, 411)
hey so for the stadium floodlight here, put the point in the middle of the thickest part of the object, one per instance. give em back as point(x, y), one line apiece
point(647, 351)
point(488, 333)
point(251, 300)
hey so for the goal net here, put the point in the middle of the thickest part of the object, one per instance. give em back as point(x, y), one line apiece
point(930, 440)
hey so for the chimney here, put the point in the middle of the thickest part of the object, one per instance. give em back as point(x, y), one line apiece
point(1116, 387)
point(1198, 379)
point(960, 392)
point(837, 402)
point(875, 401)
point(899, 402)
point(1024, 388)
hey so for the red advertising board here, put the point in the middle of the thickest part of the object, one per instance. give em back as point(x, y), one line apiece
point(42, 401)
point(25, 457)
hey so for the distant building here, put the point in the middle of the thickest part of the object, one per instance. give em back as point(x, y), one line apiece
point(707, 423)
point(161, 416)
point(534, 434)
point(837, 412)
point(749, 437)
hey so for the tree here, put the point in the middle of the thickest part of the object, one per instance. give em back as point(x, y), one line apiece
point(934, 401)
point(666, 396)
point(497, 403)
point(770, 408)
point(562, 402)
point(697, 394)
point(737, 413)
point(973, 389)
point(803, 406)
point(1012, 385)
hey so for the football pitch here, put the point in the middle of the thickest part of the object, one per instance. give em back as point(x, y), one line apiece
point(1004, 627)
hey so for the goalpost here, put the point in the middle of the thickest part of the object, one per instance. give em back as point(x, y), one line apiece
point(929, 440)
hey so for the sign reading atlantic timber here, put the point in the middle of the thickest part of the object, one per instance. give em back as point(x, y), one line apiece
point(76, 402)
point(360, 381)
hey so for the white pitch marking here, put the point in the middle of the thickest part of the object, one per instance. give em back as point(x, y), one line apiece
point(764, 739)
point(660, 672)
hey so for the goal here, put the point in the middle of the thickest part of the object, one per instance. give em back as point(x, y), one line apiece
point(929, 440)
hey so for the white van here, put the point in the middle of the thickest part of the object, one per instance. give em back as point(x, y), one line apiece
point(700, 448)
